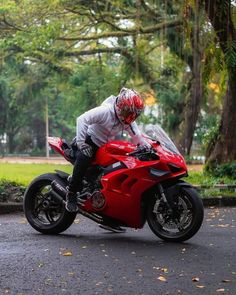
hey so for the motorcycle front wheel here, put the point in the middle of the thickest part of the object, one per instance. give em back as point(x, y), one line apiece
point(43, 212)
point(180, 224)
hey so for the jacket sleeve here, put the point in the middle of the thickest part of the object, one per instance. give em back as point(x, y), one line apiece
point(94, 116)
point(136, 135)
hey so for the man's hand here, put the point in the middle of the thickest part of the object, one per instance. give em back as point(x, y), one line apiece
point(85, 149)
point(144, 144)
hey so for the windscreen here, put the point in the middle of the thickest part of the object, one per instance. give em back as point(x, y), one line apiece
point(156, 133)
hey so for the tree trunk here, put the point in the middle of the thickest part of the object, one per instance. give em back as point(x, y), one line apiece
point(194, 98)
point(11, 144)
point(224, 150)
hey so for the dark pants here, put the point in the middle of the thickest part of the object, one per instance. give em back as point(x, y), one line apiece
point(81, 165)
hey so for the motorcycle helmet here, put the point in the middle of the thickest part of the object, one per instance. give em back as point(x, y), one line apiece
point(129, 105)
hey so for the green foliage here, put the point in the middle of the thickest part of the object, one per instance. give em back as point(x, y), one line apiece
point(208, 179)
point(53, 61)
point(211, 135)
point(223, 170)
point(25, 88)
point(207, 131)
point(230, 54)
point(91, 87)
point(171, 93)
point(214, 61)
point(11, 191)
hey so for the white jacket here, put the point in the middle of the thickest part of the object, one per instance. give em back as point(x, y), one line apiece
point(102, 124)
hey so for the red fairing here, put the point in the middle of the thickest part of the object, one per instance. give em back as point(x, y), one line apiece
point(56, 143)
point(124, 188)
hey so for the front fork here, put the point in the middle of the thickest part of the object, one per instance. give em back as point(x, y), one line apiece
point(167, 200)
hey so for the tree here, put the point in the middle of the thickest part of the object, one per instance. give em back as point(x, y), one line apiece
point(220, 16)
point(70, 36)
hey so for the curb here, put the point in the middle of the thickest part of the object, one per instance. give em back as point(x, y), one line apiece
point(219, 202)
point(11, 207)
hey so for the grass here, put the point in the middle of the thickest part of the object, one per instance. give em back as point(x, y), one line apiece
point(23, 174)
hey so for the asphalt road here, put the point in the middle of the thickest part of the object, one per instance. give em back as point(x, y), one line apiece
point(88, 260)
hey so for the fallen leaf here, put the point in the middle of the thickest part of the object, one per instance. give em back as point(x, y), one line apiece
point(40, 264)
point(77, 221)
point(183, 250)
point(162, 279)
point(200, 286)
point(223, 225)
point(195, 279)
point(66, 253)
point(226, 281)
point(48, 281)
point(165, 270)
point(220, 290)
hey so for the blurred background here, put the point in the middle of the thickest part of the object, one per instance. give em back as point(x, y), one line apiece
point(59, 58)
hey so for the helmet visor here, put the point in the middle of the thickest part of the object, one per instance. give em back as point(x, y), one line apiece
point(128, 116)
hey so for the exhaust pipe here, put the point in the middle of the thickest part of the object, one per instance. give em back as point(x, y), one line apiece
point(58, 191)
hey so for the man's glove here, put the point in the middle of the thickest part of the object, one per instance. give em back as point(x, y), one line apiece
point(85, 149)
point(144, 144)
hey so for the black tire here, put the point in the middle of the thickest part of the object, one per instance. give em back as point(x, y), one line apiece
point(190, 213)
point(43, 212)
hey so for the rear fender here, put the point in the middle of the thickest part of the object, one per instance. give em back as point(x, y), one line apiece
point(63, 175)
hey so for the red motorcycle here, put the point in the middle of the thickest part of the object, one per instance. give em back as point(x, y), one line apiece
point(125, 186)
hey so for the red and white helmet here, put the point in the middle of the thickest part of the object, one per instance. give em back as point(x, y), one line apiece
point(129, 105)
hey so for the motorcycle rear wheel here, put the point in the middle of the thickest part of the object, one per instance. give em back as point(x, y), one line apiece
point(43, 212)
point(188, 220)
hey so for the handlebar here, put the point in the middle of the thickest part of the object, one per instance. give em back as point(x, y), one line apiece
point(144, 151)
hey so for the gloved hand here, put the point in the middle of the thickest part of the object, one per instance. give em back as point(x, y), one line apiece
point(85, 149)
point(144, 144)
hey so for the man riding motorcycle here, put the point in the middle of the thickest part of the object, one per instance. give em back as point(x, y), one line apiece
point(96, 127)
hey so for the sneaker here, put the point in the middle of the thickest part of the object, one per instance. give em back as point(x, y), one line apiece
point(114, 229)
point(71, 202)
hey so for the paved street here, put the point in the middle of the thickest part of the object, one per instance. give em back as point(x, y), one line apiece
point(88, 260)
